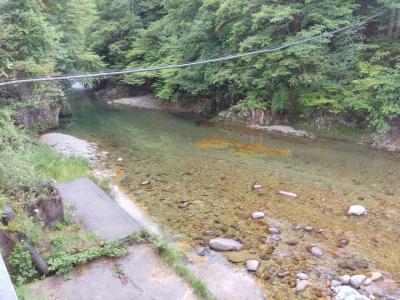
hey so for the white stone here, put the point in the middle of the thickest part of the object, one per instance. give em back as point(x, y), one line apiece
point(357, 210)
point(367, 281)
point(223, 244)
point(289, 194)
point(357, 280)
point(357, 297)
point(302, 276)
point(375, 276)
point(316, 251)
point(345, 279)
point(257, 215)
point(301, 285)
point(274, 230)
point(344, 291)
point(252, 265)
point(257, 186)
point(145, 182)
point(120, 159)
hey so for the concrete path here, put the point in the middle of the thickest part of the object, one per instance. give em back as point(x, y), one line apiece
point(96, 211)
point(144, 277)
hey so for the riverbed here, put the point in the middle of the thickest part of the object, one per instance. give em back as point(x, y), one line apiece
point(202, 186)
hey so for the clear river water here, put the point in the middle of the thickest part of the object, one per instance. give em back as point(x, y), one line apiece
point(202, 180)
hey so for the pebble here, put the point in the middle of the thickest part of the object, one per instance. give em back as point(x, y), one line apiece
point(292, 242)
point(257, 215)
point(375, 276)
point(252, 265)
point(316, 251)
point(302, 276)
point(223, 244)
point(289, 194)
point(183, 204)
point(120, 159)
point(276, 237)
point(343, 243)
point(301, 285)
point(308, 229)
point(357, 210)
point(297, 227)
point(320, 230)
point(357, 280)
point(202, 251)
point(345, 279)
point(145, 182)
point(257, 186)
point(282, 274)
point(274, 230)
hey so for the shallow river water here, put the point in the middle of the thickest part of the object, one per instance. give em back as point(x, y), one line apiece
point(201, 187)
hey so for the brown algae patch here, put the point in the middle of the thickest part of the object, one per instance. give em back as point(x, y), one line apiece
point(240, 149)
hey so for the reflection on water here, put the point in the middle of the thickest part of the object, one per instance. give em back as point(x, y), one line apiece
point(214, 169)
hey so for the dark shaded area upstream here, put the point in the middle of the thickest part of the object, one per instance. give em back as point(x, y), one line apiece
point(202, 180)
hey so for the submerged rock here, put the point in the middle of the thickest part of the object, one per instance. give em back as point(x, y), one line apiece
point(223, 244)
point(257, 215)
point(145, 182)
point(274, 230)
point(302, 276)
point(288, 194)
point(345, 292)
point(239, 256)
point(345, 279)
point(376, 276)
point(301, 285)
point(357, 280)
point(316, 251)
point(257, 186)
point(252, 265)
point(357, 210)
point(292, 242)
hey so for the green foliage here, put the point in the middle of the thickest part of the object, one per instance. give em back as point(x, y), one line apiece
point(21, 264)
point(63, 264)
point(321, 77)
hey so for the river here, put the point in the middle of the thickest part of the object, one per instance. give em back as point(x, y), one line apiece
point(202, 180)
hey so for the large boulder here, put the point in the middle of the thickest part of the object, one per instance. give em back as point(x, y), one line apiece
point(43, 117)
point(223, 244)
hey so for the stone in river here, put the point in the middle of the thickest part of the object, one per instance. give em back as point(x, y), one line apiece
point(301, 285)
point(292, 242)
point(257, 186)
point(223, 244)
point(252, 265)
point(357, 210)
point(343, 243)
point(335, 283)
point(357, 280)
point(376, 276)
point(288, 194)
point(345, 279)
point(257, 215)
point(308, 229)
point(238, 256)
point(345, 292)
point(145, 182)
point(302, 276)
point(316, 251)
point(274, 230)
point(120, 159)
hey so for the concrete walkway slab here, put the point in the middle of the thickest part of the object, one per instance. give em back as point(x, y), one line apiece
point(96, 211)
point(145, 277)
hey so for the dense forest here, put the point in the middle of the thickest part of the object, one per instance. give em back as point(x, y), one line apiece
point(354, 74)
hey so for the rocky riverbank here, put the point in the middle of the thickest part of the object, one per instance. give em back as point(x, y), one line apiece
point(258, 119)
